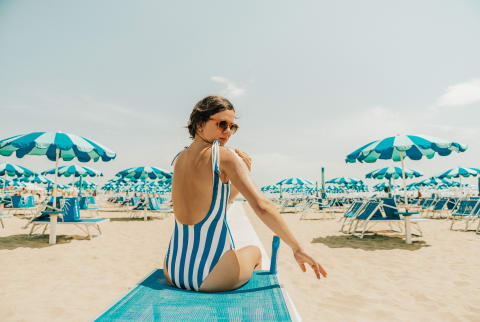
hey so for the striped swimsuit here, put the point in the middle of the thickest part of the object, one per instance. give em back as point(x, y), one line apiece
point(195, 249)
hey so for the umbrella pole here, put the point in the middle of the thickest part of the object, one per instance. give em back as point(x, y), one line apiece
point(53, 218)
point(408, 237)
point(4, 183)
point(146, 199)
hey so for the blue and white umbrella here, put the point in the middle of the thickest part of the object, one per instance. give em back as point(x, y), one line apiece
point(345, 181)
point(381, 186)
point(12, 170)
point(75, 170)
point(295, 181)
point(55, 146)
point(399, 147)
point(144, 172)
point(392, 173)
point(459, 172)
point(36, 179)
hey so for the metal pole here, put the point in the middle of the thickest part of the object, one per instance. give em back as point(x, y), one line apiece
point(408, 236)
point(53, 219)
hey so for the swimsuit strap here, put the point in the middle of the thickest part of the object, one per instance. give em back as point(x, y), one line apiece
point(215, 159)
point(176, 156)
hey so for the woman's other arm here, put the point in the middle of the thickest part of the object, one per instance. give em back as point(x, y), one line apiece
point(237, 171)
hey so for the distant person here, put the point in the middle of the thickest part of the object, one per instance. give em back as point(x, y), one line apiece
point(206, 166)
point(386, 190)
point(419, 194)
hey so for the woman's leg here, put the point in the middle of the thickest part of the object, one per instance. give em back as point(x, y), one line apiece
point(232, 270)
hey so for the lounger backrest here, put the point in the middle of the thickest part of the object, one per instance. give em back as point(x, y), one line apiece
point(17, 202)
point(71, 209)
point(368, 210)
point(440, 204)
point(390, 209)
point(465, 207)
point(427, 204)
point(451, 203)
point(83, 203)
point(353, 209)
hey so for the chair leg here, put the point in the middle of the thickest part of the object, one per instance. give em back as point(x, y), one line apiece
point(44, 229)
point(87, 227)
point(1, 221)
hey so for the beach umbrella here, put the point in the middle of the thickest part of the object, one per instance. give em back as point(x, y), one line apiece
point(295, 181)
point(144, 172)
point(12, 170)
point(55, 146)
point(459, 173)
point(36, 179)
point(400, 147)
point(345, 181)
point(392, 173)
point(75, 171)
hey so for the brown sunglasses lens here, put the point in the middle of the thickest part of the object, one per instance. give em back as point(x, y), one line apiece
point(223, 125)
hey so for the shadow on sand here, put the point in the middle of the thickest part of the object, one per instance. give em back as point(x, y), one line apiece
point(370, 242)
point(150, 218)
point(35, 241)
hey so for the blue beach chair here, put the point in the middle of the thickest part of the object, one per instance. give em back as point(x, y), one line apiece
point(351, 213)
point(23, 205)
point(70, 214)
point(466, 210)
point(383, 211)
point(261, 299)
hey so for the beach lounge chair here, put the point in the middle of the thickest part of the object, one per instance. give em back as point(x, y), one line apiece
point(261, 299)
point(383, 211)
point(4, 216)
point(351, 213)
point(22, 205)
point(438, 207)
point(466, 210)
point(70, 214)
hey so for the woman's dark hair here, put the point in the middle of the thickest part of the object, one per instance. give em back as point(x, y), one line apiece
point(204, 109)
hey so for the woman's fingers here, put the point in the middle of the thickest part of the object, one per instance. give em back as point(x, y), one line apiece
point(245, 157)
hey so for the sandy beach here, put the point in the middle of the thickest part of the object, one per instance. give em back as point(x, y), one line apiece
point(378, 278)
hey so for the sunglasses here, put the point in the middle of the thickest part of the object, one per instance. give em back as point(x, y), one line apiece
point(223, 125)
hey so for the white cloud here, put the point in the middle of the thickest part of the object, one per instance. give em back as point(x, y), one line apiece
point(461, 94)
point(231, 89)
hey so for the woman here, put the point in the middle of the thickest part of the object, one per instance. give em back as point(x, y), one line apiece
point(201, 255)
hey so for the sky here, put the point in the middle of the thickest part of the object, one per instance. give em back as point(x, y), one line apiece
point(311, 81)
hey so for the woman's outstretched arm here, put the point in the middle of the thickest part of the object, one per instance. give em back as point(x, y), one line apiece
point(237, 171)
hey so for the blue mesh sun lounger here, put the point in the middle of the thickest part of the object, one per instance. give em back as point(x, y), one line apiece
point(261, 299)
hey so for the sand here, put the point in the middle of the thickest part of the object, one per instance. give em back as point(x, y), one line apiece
point(378, 278)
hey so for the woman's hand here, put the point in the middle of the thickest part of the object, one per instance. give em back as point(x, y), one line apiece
point(303, 258)
point(246, 158)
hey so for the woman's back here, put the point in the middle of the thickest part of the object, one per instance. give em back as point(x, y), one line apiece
point(192, 184)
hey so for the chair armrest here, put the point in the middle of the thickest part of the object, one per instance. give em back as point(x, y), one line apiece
point(52, 212)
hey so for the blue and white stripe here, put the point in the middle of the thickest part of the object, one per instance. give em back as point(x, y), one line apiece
point(46, 143)
point(412, 146)
point(392, 173)
point(194, 250)
point(459, 172)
